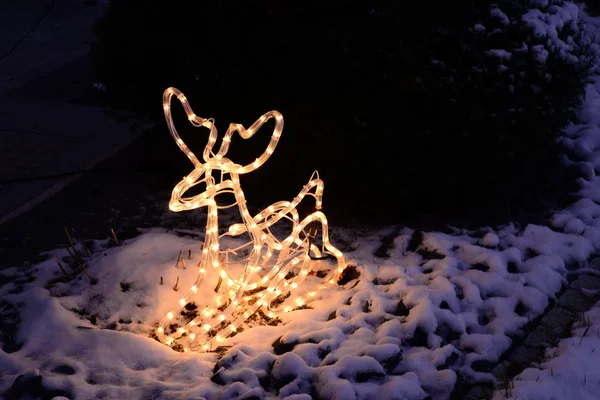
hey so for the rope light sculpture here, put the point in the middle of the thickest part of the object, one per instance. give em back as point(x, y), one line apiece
point(272, 268)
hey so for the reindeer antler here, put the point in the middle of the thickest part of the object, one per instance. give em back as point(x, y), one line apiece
point(194, 119)
point(209, 123)
point(247, 134)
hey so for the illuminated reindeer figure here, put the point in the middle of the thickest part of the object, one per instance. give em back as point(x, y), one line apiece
point(286, 261)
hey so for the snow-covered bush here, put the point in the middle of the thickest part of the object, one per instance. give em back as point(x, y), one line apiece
point(407, 108)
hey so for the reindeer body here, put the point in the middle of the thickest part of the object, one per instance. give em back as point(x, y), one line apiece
point(280, 258)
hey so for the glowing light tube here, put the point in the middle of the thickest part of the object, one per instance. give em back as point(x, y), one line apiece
point(286, 262)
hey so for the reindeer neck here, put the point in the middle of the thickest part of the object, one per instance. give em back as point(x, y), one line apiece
point(243, 208)
point(211, 237)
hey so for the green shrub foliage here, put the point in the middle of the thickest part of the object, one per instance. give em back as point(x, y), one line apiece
point(440, 107)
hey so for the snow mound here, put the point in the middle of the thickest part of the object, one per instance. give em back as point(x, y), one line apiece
point(410, 326)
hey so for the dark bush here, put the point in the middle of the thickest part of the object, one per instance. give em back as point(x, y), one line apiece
point(593, 7)
point(444, 107)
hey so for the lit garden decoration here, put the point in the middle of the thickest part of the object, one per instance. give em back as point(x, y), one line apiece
point(269, 268)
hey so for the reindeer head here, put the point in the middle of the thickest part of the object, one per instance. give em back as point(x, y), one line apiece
point(202, 173)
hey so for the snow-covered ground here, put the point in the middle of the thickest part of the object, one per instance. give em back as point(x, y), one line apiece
point(405, 328)
point(569, 371)
point(440, 311)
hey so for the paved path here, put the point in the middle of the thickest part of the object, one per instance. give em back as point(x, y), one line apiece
point(62, 36)
point(46, 129)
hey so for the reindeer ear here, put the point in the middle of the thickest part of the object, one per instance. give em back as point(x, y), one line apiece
point(248, 133)
point(193, 118)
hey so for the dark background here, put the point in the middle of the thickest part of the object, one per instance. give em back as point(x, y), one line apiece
point(399, 105)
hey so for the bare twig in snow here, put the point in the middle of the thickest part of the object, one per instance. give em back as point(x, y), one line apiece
point(80, 263)
point(178, 258)
point(73, 256)
point(86, 272)
point(218, 285)
point(584, 333)
point(61, 266)
point(69, 237)
point(74, 252)
point(82, 243)
point(114, 236)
